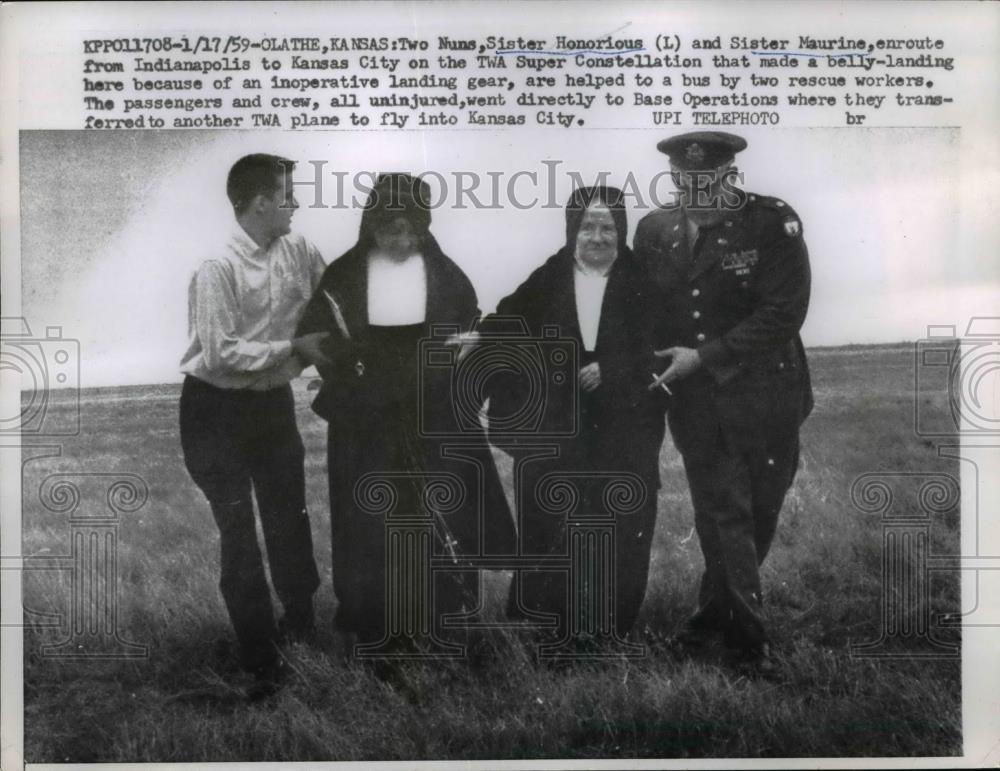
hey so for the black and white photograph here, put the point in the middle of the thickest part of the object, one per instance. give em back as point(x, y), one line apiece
point(376, 387)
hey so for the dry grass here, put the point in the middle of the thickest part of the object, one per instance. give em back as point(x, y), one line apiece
point(822, 581)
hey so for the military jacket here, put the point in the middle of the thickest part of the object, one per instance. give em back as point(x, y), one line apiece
point(738, 295)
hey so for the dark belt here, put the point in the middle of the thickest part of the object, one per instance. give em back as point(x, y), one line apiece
point(195, 386)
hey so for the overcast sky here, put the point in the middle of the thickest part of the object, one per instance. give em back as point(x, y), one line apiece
point(113, 223)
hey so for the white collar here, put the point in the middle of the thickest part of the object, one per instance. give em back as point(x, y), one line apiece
point(246, 248)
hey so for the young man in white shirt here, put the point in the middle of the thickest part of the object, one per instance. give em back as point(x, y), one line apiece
point(237, 414)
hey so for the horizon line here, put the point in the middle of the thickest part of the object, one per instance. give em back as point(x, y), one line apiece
point(840, 346)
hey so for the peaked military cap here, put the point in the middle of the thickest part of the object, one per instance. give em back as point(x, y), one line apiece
point(700, 150)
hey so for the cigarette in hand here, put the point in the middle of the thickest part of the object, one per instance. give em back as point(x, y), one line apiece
point(663, 386)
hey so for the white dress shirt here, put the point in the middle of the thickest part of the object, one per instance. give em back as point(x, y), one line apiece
point(397, 290)
point(243, 307)
point(589, 288)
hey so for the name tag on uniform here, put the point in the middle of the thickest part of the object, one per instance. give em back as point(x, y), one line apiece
point(740, 262)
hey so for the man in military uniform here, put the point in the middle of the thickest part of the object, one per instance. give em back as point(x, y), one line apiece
point(730, 273)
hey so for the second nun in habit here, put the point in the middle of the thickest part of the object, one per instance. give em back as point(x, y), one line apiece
point(592, 290)
point(378, 301)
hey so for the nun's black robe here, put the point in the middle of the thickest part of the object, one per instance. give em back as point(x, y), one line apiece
point(371, 398)
point(620, 426)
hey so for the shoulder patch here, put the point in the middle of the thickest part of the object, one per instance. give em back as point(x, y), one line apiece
point(774, 211)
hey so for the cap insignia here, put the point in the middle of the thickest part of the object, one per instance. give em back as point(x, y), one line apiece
point(695, 153)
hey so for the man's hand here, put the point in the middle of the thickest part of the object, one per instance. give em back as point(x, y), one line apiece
point(308, 348)
point(683, 362)
point(590, 377)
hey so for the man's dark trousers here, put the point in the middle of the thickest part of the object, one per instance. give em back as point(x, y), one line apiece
point(235, 440)
point(737, 495)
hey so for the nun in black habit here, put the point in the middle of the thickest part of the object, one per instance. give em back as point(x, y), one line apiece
point(378, 301)
point(595, 292)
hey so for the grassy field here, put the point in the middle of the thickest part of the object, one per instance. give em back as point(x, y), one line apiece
point(822, 581)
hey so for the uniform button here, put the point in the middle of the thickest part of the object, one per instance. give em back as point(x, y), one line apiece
point(696, 315)
point(677, 227)
point(770, 461)
point(781, 365)
point(675, 244)
point(723, 241)
point(779, 203)
point(700, 337)
point(695, 292)
point(729, 223)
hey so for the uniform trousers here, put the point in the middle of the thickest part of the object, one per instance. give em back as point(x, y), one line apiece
point(235, 440)
point(737, 495)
